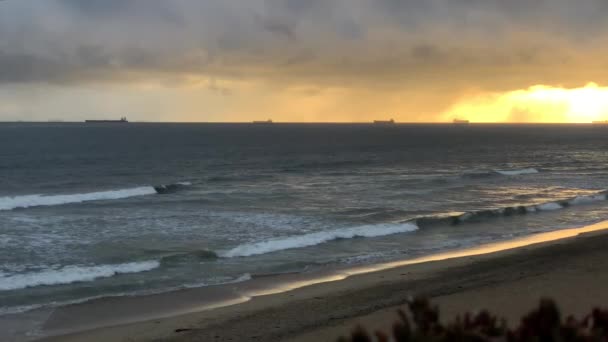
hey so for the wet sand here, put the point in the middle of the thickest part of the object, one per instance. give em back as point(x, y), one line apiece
point(573, 270)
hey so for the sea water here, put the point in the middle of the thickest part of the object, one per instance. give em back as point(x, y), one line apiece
point(83, 213)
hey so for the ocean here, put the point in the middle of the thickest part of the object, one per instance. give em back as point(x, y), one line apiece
point(95, 210)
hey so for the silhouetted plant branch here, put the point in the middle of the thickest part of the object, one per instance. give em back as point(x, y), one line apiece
point(544, 324)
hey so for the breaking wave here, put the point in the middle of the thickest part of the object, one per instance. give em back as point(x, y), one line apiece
point(529, 171)
point(495, 173)
point(376, 230)
point(317, 238)
point(29, 201)
point(475, 216)
point(165, 189)
point(72, 274)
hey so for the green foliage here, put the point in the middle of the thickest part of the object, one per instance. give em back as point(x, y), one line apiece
point(544, 324)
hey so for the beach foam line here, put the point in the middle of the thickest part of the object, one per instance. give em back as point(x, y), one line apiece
point(245, 293)
point(11, 310)
point(312, 239)
point(72, 274)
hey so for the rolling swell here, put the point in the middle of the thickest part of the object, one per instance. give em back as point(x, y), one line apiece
point(201, 255)
point(382, 229)
point(239, 178)
point(480, 215)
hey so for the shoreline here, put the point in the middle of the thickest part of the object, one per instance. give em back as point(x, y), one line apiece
point(201, 310)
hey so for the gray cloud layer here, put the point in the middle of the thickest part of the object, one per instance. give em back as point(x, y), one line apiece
point(402, 42)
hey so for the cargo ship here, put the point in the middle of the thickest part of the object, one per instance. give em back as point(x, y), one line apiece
point(460, 122)
point(122, 120)
point(384, 122)
point(266, 122)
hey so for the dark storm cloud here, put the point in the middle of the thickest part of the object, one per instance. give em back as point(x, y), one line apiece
point(24, 68)
point(312, 41)
point(101, 7)
point(281, 28)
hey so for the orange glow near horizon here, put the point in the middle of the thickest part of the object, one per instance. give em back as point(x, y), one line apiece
point(205, 100)
point(538, 103)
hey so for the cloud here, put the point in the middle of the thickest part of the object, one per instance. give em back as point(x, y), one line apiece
point(395, 47)
point(232, 39)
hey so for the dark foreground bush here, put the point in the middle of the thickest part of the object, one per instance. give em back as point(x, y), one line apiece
point(543, 325)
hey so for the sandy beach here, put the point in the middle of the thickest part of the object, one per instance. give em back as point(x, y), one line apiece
point(571, 269)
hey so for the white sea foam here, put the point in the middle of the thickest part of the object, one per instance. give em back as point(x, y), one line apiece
point(549, 206)
point(27, 201)
point(72, 274)
point(8, 310)
point(580, 200)
point(517, 172)
point(588, 199)
point(242, 278)
point(317, 238)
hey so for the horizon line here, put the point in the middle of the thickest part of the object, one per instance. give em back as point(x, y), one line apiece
point(319, 122)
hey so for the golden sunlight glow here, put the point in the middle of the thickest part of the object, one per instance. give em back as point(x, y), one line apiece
point(538, 103)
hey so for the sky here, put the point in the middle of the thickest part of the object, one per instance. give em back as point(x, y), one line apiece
point(304, 60)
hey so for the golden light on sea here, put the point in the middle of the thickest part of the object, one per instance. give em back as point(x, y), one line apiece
point(538, 103)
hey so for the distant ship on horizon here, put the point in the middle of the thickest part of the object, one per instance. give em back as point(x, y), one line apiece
point(461, 122)
point(263, 122)
point(122, 120)
point(384, 122)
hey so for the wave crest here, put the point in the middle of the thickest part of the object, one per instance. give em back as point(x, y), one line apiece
point(529, 171)
point(28, 201)
point(473, 216)
point(317, 238)
point(497, 173)
point(72, 274)
point(165, 189)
